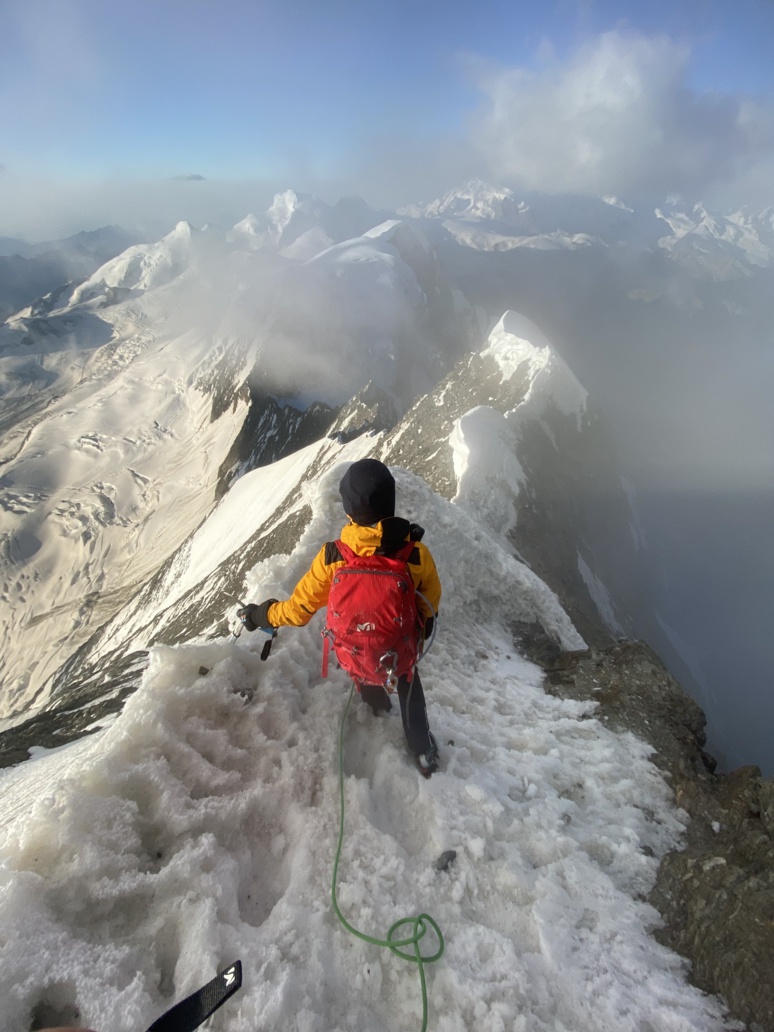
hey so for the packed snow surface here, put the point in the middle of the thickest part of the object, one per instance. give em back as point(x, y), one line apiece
point(201, 826)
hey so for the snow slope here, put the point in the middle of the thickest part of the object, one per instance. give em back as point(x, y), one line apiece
point(201, 827)
point(111, 453)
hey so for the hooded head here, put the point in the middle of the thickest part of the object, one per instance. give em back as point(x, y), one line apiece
point(368, 492)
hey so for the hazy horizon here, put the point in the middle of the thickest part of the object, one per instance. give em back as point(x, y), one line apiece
point(105, 110)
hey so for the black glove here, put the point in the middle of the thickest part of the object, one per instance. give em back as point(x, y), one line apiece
point(253, 616)
point(429, 624)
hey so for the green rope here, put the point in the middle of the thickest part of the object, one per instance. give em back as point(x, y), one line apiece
point(419, 923)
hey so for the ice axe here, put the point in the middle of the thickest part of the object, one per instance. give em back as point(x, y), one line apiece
point(242, 614)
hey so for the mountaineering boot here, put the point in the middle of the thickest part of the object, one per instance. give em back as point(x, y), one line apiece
point(428, 761)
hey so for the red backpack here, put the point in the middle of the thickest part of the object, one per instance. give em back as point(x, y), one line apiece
point(373, 622)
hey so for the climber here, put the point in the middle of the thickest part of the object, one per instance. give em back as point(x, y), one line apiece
point(377, 541)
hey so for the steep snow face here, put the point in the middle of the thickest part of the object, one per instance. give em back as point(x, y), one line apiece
point(489, 474)
point(143, 267)
point(201, 827)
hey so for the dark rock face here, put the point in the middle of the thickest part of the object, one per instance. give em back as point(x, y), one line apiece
point(370, 411)
point(270, 432)
point(716, 895)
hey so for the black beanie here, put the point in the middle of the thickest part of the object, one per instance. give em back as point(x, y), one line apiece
point(368, 492)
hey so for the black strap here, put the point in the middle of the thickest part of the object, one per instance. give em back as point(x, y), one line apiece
point(196, 1008)
point(332, 553)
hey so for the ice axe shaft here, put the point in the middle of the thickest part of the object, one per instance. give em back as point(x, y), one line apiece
point(196, 1008)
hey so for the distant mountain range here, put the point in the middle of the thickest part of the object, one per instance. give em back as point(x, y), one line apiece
point(28, 271)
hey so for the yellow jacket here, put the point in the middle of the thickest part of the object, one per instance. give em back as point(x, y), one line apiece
point(311, 592)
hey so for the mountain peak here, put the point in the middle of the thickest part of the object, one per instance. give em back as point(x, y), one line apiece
point(475, 199)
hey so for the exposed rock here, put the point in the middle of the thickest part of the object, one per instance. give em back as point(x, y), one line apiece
point(370, 411)
point(271, 431)
point(716, 895)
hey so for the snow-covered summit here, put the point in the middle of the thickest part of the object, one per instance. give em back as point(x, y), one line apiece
point(474, 200)
point(716, 245)
point(301, 225)
point(142, 267)
point(288, 217)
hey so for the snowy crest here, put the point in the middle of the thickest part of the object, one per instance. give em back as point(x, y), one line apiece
point(474, 200)
point(518, 346)
point(717, 246)
point(142, 267)
point(288, 217)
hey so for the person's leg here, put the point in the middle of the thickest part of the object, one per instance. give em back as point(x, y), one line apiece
point(414, 713)
point(376, 697)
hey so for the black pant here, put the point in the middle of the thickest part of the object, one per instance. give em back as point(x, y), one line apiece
point(412, 710)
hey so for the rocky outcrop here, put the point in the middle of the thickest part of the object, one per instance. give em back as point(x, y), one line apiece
point(715, 895)
point(370, 411)
point(271, 431)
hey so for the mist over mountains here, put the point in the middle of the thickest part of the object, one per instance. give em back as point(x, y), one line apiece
point(134, 395)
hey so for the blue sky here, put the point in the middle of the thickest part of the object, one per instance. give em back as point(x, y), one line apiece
point(393, 100)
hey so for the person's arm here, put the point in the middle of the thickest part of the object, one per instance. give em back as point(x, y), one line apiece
point(309, 595)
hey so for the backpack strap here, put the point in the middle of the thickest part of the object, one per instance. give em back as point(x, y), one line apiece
point(345, 552)
point(406, 553)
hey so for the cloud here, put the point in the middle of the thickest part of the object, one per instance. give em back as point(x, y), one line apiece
point(618, 118)
point(44, 208)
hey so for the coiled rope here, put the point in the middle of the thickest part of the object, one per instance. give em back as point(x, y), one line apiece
point(419, 923)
